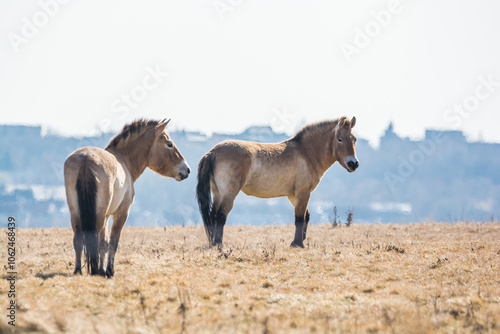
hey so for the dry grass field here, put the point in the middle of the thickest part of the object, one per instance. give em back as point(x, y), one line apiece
point(417, 278)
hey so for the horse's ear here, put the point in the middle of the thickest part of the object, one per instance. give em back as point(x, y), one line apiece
point(161, 126)
point(353, 122)
point(341, 122)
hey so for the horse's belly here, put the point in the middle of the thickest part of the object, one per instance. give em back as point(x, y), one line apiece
point(268, 186)
point(263, 193)
point(270, 178)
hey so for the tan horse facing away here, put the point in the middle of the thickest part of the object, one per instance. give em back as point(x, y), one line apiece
point(100, 183)
point(292, 168)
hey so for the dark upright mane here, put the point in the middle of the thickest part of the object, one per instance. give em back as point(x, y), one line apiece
point(319, 127)
point(132, 130)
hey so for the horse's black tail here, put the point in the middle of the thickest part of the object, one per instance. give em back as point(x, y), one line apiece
point(86, 188)
point(203, 193)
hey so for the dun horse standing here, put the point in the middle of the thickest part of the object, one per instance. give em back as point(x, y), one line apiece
point(100, 183)
point(292, 168)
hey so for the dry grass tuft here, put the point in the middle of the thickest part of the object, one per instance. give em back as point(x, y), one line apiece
point(417, 278)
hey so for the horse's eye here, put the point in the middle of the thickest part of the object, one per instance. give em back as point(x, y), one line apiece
point(339, 139)
point(170, 145)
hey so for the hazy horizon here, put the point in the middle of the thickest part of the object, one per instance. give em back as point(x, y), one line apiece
point(47, 131)
point(391, 185)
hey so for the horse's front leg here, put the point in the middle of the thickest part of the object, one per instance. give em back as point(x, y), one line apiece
point(119, 220)
point(301, 202)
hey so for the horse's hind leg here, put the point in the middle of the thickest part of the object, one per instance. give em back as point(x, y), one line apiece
point(228, 182)
point(103, 247)
point(216, 202)
point(77, 243)
point(220, 218)
point(116, 229)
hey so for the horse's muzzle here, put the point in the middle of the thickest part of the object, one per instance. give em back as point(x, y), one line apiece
point(183, 170)
point(352, 165)
point(183, 176)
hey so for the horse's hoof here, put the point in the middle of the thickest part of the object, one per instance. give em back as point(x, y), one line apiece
point(297, 244)
point(77, 272)
point(102, 272)
point(217, 244)
point(110, 273)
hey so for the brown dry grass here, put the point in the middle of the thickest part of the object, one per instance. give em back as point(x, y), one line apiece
point(417, 278)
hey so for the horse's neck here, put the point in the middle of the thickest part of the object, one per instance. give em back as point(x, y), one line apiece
point(135, 157)
point(319, 150)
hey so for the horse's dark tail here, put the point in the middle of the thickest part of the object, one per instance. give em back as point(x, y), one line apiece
point(203, 193)
point(86, 188)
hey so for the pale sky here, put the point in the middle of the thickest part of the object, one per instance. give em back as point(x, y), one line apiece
point(76, 67)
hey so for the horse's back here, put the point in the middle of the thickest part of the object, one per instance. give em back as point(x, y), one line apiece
point(231, 147)
point(242, 153)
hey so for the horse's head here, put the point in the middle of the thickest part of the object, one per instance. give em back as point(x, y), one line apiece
point(344, 144)
point(165, 158)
